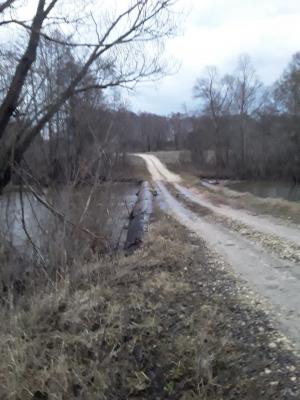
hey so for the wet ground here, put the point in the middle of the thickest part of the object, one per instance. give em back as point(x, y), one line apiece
point(276, 189)
point(168, 322)
point(107, 213)
point(266, 255)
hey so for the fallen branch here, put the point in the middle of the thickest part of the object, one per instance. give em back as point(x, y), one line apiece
point(60, 215)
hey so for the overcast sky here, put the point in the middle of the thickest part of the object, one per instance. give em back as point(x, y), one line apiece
point(215, 32)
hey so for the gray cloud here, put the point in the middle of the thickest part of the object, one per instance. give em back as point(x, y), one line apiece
point(215, 33)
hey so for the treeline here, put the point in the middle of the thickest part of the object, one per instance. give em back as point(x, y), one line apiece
point(92, 134)
point(55, 121)
point(89, 135)
point(62, 116)
point(245, 129)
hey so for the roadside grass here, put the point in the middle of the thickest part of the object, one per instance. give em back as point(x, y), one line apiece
point(279, 208)
point(283, 248)
point(173, 157)
point(166, 322)
point(133, 169)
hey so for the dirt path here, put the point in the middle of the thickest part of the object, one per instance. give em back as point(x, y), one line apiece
point(264, 224)
point(267, 272)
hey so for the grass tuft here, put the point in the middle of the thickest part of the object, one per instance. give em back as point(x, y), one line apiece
point(158, 324)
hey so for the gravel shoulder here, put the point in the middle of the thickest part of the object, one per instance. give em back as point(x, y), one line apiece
point(270, 269)
point(240, 317)
point(281, 240)
point(169, 322)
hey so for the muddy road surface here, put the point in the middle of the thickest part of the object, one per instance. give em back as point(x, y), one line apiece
point(262, 251)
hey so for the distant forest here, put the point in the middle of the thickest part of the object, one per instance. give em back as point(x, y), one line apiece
point(62, 116)
point(242, 129)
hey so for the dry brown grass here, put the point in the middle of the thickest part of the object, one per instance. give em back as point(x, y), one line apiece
point(133, 169)
point(271, 206)
point(87, 335)
point(174, 157)
point(275, 207)
point(147, 326)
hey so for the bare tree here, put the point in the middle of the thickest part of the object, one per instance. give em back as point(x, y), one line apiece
point(246, 97)
point(10, 101)
point(216, 95)
point(4, 5)
point(287, 89)
point(259, 125)
point(287, 97)
point(120, 42)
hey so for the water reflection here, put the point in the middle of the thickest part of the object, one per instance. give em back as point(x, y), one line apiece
point(106, 216)
point(284, 190)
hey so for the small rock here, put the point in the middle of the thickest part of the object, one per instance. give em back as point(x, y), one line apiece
point(267, 371)
point(272, 345)
point(291, 368)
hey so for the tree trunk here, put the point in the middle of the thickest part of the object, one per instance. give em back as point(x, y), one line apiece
point(11, 99)
point(243, 149)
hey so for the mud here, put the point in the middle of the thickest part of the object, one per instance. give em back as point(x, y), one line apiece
point(276, 281)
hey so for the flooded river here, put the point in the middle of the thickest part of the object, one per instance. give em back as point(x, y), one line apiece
point(283, 190)
point(106, 216)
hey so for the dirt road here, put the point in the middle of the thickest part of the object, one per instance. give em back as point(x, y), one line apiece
point(264, 252)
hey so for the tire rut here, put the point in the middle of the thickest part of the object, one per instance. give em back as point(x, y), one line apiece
point(284, 249)
point(275, 280)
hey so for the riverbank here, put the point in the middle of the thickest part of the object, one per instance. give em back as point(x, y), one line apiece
point(170, 321)
point(56, 227)
point(288, 211)
point(261, 250)
point(167, 322)
point(268, 203)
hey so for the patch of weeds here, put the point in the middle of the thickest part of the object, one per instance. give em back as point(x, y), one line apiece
point(162, 323)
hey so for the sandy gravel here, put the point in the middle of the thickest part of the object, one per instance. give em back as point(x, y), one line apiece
point(269, 274)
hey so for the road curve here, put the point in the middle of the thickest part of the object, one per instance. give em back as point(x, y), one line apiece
point(269, 275)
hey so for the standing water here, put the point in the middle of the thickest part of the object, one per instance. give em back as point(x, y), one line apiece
point(284, 190)
point(106, 216)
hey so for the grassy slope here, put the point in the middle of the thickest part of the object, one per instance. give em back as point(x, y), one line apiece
point(273, 243)
point(164, 323)
point(280, 208)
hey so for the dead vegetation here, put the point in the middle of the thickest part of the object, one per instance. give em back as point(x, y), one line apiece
point(164, 323)
point(280, 208)
point(282, 248)
point(276, 207)
point(131, 170)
